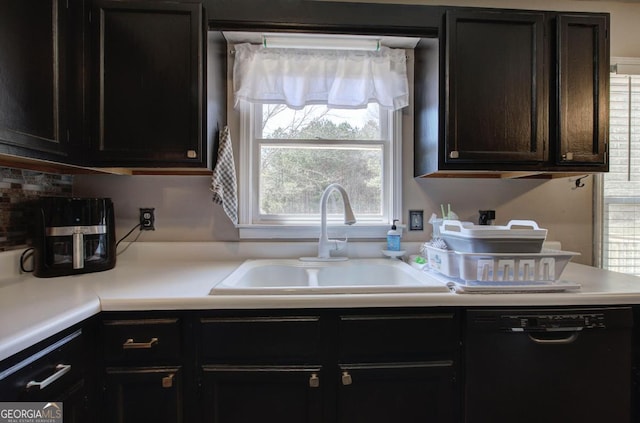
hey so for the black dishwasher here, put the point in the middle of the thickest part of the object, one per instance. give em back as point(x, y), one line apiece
point(548, 365)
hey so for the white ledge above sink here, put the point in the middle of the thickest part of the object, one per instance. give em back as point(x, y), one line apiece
point(355, 276)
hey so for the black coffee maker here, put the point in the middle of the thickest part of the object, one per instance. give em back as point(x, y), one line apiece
point(73, 235)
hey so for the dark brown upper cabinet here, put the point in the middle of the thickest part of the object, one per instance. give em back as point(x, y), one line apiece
point(34, 53)
point(519, 92)
point(107, 83)
point(495, 111)
point(581, 98)
point(148, 86)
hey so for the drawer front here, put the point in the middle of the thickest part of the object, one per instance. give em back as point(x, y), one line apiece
point(144, 340)
point(411, 337)
point(272, 340)
point(47, 373)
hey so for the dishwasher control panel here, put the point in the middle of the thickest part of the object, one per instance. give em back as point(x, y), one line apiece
point(550, 322)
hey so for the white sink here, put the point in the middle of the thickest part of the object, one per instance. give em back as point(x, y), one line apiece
point(355, 276)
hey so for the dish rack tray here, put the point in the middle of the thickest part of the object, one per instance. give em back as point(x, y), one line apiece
point(519, 236)
point(545, 266)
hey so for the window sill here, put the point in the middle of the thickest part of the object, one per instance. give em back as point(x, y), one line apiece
point(248, 231)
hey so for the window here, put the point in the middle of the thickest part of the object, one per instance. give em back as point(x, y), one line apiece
point(620, 208)
point(291, 150)
point(291, 155)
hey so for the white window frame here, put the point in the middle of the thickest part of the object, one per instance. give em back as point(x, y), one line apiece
point(623, 65)
point(252, 227)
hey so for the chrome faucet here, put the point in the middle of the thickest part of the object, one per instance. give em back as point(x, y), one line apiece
point(326, 245)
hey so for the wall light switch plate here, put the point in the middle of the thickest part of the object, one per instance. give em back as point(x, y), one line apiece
point(416, 220)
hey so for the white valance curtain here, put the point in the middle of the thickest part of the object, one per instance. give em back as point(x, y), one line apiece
point(338, 78)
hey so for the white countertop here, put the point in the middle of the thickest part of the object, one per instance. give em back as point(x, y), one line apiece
point(178, 276)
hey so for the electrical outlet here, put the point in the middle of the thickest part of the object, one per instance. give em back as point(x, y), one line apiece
point(486, 217)
point(147, 219)
point(416, 220)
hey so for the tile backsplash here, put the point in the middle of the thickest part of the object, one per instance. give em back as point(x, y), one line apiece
point(19, 188)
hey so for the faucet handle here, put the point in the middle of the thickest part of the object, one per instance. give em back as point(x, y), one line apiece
point(339, 244)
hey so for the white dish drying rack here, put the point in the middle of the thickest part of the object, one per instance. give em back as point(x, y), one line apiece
point(501, 272)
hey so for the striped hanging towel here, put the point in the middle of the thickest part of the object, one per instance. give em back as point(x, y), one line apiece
point(223, 183)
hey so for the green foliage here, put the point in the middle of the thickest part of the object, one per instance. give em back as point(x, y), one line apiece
point(324, 128)
point(292, 178)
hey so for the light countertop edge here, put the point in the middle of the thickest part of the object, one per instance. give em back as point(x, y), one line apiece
point(159, 276)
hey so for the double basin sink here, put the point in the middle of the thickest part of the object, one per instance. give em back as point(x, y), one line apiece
point(354, 276)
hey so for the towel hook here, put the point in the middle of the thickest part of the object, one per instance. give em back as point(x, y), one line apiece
point(579, 183)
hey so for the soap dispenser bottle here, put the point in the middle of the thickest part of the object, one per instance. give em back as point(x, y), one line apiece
point(393, 237)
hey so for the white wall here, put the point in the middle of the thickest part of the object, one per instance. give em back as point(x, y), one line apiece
point(185, 212)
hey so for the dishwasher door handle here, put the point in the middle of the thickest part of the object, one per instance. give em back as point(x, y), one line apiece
point(555, 341)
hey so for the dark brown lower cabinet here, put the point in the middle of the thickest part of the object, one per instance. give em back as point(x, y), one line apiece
point(143, 394)
point(346, 366)
point(146, 368)
point(76, 404)
point(247, 394)
point(74, 394)
point(58, 369)
point(393, 392)
point(396, 392)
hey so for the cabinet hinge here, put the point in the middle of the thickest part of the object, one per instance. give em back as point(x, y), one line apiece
point(89, 16)
point(68, 135)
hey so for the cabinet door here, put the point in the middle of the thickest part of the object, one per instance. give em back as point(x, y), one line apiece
point(407, 392)
point(495, 80)
point(148, 72)
point(582, 90)
point(76, 407)
point(246, 394)
point(33, 58)
point(143, 394)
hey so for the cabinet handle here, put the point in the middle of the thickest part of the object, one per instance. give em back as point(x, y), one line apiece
point(191, 154)
point(314, 380)
point(346, 379)
point(61, 369)
point(567, 156)
point(454, 155)
point(167, 381)
point(130, 345)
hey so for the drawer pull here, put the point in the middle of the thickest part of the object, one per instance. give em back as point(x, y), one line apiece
point(130, 345)
point(314, 380)
point(167, 381)
point(61, 370)
point(346, 379)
